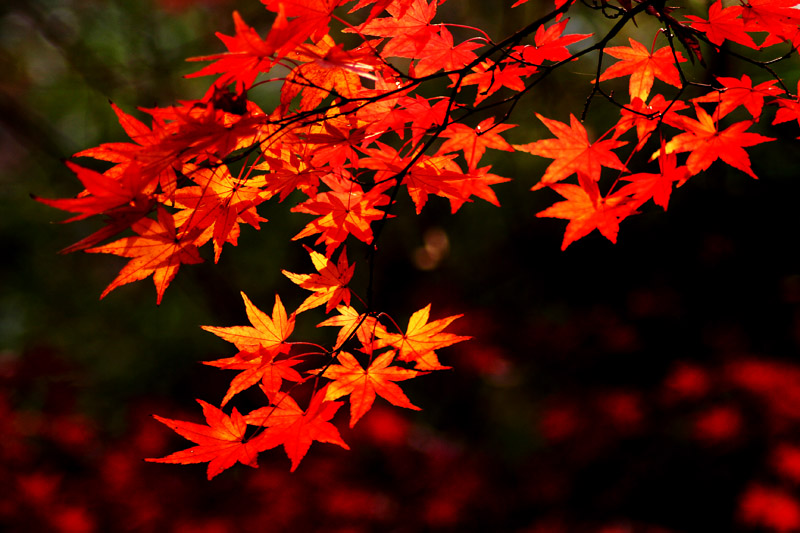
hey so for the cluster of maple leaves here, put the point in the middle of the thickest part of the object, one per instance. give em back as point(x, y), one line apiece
point(352, 128)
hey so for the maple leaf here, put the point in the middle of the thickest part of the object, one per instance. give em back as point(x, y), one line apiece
point(478, 183)
point(425, 116)
point(707, 144)
point(643, 67)
point(408, 27)
point(326, 70)
point(344, 210)
point(330, 285)
point(221, 442)
point(646, 117)
point(572, 152)
point(337, 144)
point(296, 429)
point(646, 185)
point(363, 385)
point(550, 44)
point(427, 175)
point(219, 202)
point(490, 77)
point(248, 55)
point(260, 366)
point(151, 155)
point(384, 114)
point(366, 327)
point(267, 333)
point(789, 109)
point(288, 173)
point(157, 250)
point(723, 23)
point(474, 141)
point(442, 54)
point(421, 339)
point(379, 5)
point(586, 212)
point(779, 18)
point(312, 16)
point(103, 194)
point(738, 92)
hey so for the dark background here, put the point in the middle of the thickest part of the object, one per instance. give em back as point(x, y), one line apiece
point(650, 385)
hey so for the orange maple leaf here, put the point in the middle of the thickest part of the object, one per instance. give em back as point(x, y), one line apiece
point(366, 327)
point(157, 250)
point(268, 333)
point(221, 442)
point(572, 152)
point(362, 385)
point(330, 285)
point(421, 339)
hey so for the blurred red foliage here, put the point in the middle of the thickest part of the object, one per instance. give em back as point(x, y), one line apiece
point(599, 461)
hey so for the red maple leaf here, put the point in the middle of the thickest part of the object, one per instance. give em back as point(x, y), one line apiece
point(789, 109)
point(587, 211)
point(707, 144)
point(344, 210)
point(474, 141)
point(779, 18)
point(326, 69)
point(490, 77)
point(363, 385)
point(218, 203)
point(408, 28)
point(550, 44)
point(572, 152)
point(288, 173)
point(157, 250)
point(103, 193)
point(260, 366)
point(738, 92)
point(312, 16)
point(723, 23)
point(150, 157)
point(248, 55)
point(643, 67)
point(442, 54)
point(646, 185)
point(221, 442)
point(296, 429)
point(646, 117)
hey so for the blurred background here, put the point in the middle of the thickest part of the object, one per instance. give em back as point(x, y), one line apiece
point(651, 385)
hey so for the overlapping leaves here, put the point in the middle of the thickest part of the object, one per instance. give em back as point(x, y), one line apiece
point(355, 124)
